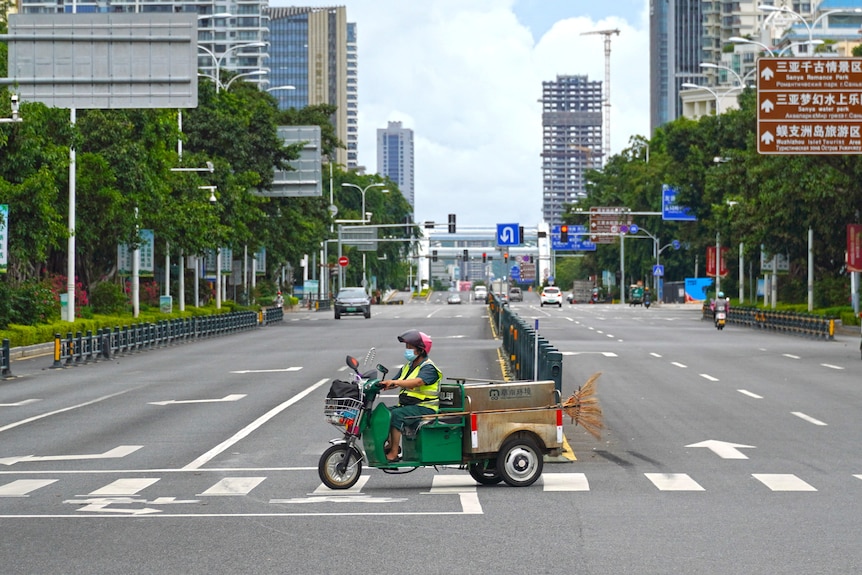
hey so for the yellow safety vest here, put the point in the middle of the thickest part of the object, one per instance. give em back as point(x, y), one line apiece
point(427, 394)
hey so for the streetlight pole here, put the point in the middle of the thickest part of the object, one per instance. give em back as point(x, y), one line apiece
point(217, 60)
point(365, 219)
point(808, 27)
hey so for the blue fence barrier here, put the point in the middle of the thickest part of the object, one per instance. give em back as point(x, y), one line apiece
point(104, 343)
point(795, 323)
point(520, 342)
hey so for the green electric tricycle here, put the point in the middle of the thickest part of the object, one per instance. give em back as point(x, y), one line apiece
point(498, 431)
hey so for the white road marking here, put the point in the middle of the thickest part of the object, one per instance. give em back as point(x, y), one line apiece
point(790, 355)
point(724, 449)
point(807, 418)
point(678, 364)
point(441, 484)
point(23, 487)
point(604, 353)
point(654, 354)
point(128, 487)
point(120, 451)
point(268, 370)
point(782, 482)
point(357, 488)
point(830, 366)
point(749, 394)
point(70, 408)
point(708, 377)
point(233, 486)
point(248, 429)
point(227, 398)
point(20, 403)
point(565, 482)
point(674, 482)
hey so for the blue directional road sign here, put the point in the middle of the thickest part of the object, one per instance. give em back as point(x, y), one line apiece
point(658, 270)
point(508, 235)
point(515, 274)
point(577, 239)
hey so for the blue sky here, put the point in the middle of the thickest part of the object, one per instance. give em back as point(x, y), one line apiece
point(466, 76)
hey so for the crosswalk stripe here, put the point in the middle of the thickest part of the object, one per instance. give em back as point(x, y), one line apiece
point(565, 482)
point(233, 486)
point(452, 484)
point(127, 486)
point(674, 482)
point(324, 490)
point(22, 487)
point(782, 482)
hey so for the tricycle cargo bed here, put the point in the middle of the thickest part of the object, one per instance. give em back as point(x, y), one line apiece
point(498, 410)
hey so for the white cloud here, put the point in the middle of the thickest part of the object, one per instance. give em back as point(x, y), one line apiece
point(466, 77)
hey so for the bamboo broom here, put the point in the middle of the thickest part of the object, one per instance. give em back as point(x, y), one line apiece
point(583, 407)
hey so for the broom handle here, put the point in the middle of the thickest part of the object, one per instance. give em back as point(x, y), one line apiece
point(484, 411)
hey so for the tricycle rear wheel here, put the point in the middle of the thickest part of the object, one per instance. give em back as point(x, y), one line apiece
point(331, 462)
point(520, 461)
point(485, 473)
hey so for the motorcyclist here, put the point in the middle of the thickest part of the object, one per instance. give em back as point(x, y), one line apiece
point(720, 305)
point(419, 381)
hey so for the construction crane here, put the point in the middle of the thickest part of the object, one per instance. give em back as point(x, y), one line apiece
point(606, 99)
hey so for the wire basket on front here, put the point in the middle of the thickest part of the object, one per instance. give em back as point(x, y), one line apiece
point(341, 411)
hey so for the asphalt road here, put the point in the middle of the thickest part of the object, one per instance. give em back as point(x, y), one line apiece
point(724, 452)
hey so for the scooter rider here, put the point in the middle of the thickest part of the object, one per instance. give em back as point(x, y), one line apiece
point(722, 305)
point(419, 381)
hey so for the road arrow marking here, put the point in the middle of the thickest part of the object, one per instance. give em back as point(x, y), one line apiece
point(724, 449)
point(268, 370)
point(121, 451)
point(20, 403)
point(233, 397)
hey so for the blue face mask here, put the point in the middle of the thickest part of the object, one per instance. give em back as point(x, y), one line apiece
point(409, 354)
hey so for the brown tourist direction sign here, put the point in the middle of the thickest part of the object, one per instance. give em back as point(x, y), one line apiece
point(809, 106)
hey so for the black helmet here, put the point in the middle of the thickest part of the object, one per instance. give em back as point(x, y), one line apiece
point(417, 339)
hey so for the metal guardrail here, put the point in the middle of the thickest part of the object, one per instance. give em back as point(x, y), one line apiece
point(794, 323)
point(519, 343)
point(5, 359)
point(104, 343)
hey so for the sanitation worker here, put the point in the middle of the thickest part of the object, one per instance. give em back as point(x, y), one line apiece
point(419, 381)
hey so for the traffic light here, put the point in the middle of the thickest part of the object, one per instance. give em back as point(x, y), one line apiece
point(451, 223)
point(564, 234)
point(466, 255)
point(484, 257)
point(433, 255)
point(506, 257)
point(520, 235)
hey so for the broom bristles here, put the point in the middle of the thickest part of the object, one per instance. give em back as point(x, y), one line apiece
point(583, 407)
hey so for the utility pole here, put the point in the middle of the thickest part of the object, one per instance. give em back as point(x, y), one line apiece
point(606, 104)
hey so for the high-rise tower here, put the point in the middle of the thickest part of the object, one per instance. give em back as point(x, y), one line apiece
point(314, 50)
point(571, 141)
point(395, 157)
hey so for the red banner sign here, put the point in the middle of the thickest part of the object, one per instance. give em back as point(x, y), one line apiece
point(854, 247)
point(710, 261)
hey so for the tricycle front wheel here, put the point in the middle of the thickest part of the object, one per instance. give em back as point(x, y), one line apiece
point(485, 473)
point(340, 467)
point(520, 461)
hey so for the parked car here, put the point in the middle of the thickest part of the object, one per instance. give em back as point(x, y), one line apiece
point(515, 294)
point(352, 300)
point(453, 298)
point(551, 295)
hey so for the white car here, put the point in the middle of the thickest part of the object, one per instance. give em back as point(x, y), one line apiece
point(480, 294)
point(551, 295)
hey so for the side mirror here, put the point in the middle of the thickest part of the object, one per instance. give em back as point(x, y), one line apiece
point(382, 369)
point(353, 363)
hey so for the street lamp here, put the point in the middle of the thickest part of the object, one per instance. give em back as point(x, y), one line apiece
point(217, 60)
point(810, 28)
point(772, 53)
point(365, 218)
point(715, 94)
point(285, 87)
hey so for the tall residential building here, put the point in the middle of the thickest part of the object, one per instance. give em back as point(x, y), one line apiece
point(571, 141)
point(395, 158)
point(314, 50)
point(235, 41)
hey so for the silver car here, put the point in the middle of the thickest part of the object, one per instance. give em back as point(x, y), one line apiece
point(352, 300)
